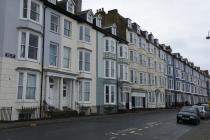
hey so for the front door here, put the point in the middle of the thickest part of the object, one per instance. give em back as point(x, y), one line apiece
point(127, 101)
point(133, 102)
point(53, 93)
point(65, 93)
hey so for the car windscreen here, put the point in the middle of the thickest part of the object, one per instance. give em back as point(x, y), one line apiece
point(188, 109)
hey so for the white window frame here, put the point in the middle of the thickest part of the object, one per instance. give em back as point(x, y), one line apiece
point(110, 70)
point(68, 30)
point(68, 59)
point(83, 61)
point(72, 5)
point(29, 11)
point(83, 29)
point(57, 54)
point(111, 45)
point(124, 76)
point(25, 80)
point(89, 17)
point(98, 21)
point(27, 46)
point(58, 24)
point(110, 94)
point(83, 90)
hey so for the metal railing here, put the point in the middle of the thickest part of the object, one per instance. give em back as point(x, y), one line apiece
point(6, 114)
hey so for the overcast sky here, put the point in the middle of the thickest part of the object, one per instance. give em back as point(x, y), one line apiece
point(182, 24)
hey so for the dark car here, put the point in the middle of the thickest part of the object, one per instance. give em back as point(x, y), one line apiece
point(188, 114)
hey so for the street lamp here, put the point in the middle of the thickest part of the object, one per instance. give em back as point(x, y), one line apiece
point(208, 37)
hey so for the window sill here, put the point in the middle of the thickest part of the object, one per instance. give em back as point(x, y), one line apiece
point(28, 59)
point(110, 78)
point(27, 101)
point(55, 32)
point(51, 66)
point(66, 69)
point(67, 37)
point(86, 72)
point(84, 102)
point(82, 41)
point(109, 103)
point(28, 19)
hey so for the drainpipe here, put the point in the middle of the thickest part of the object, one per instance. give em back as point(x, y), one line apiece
point(117, 84)
point(42, 72)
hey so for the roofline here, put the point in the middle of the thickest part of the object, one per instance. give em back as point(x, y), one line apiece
point(81, 20)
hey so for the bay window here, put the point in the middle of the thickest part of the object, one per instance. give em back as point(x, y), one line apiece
point(33, 46)
point(20, 86)
point(84, 90)
point(31, 9)
point(27, 86)
point(29, 45)
point(35, 11)
point(31, 86)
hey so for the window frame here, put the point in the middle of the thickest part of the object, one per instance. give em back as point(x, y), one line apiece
point(82, 91)
point(28, 13)
point(110, 45)
point(83, 35)
point(69, 31)
point(26, 50)
point(57, 25)
point(25, 84)
point(111, 69)
point(68, 59)
point(110, 95)
point(57, 54)
point(68, 5)
point(83, 62)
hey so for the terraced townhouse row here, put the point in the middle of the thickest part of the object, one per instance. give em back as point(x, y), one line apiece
point(53, 55)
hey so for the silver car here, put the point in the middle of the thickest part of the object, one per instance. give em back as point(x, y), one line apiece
point(204, 111)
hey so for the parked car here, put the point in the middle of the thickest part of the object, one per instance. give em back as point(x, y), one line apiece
point(188, 114)
point(203, 110)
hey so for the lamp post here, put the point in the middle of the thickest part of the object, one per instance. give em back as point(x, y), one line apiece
point(208, 36)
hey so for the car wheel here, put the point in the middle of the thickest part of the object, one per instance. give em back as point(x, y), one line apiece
point(178, 121)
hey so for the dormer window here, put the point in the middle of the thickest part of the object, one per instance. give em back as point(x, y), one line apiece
point(53, 1)
point(70, 6)
point(146, 35)
point(98, 21)
point(90, 17)
point(138, 29)
point(114, 29)
point(129, 24)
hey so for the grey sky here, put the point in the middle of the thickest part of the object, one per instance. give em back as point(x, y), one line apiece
point(182, 24)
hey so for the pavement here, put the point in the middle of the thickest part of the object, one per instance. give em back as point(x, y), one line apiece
point(34, 123)
point(148, 125)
